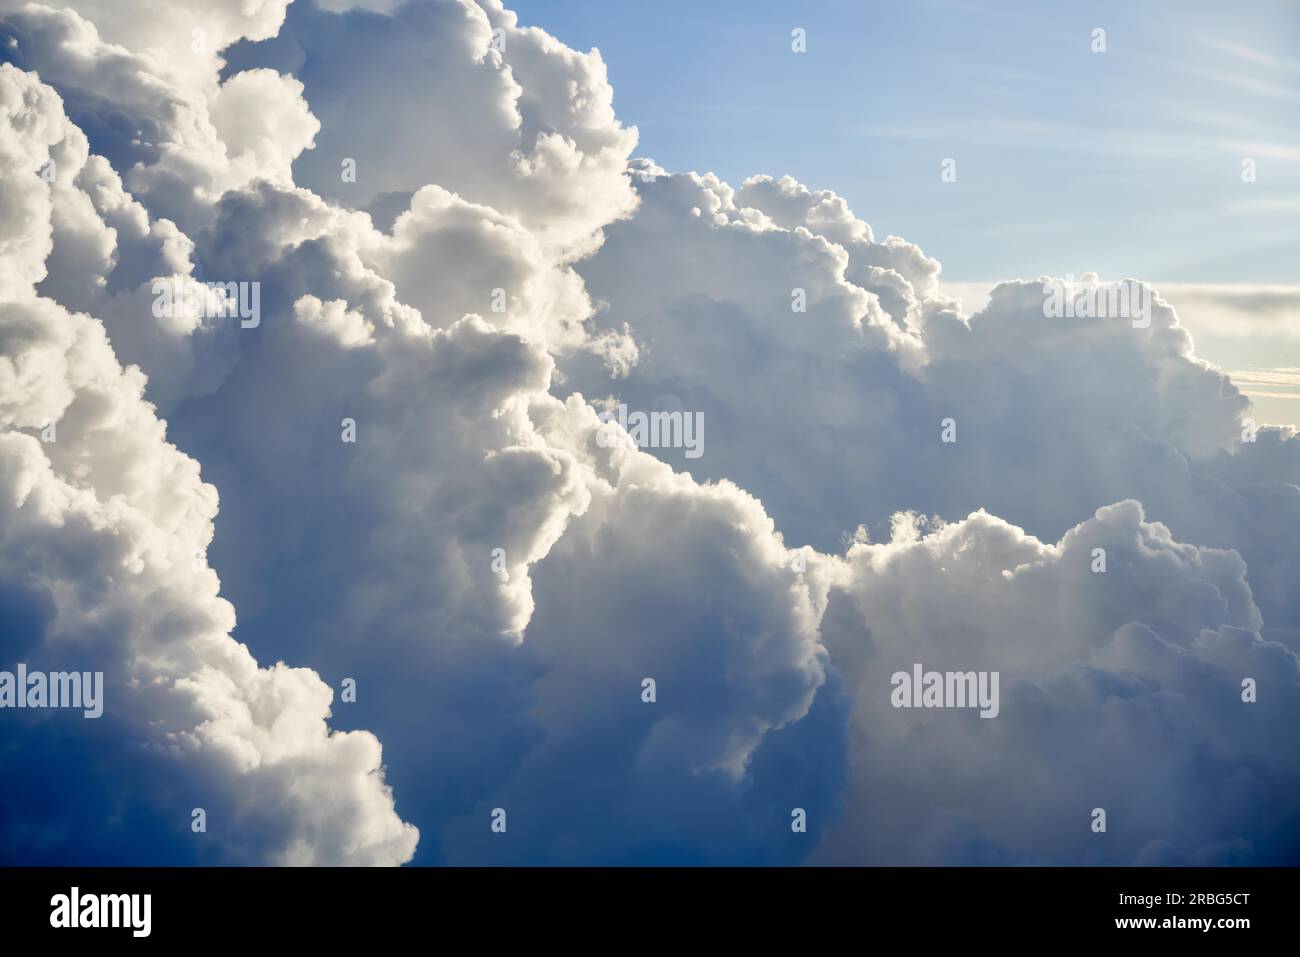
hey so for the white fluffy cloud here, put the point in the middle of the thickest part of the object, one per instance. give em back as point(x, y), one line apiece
point(1119, 689)
point(690, 588)
point(385, 560)
point(107, 522)
point(413, 495)
point(833, 416)
point(504, 116)
point(183, 36)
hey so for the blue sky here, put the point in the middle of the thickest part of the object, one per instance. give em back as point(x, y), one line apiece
point(1125, 162)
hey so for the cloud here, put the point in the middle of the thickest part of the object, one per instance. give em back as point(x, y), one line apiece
point(1119, 689)
point(736, 665)
point(178, 138)
point(414, 496)
point(383, 568)
point(1255, 382)
point(408, 562)
point(104, 530)
point(1237, 311)
point(182, 36)
point(833, 417)
point(506, 117)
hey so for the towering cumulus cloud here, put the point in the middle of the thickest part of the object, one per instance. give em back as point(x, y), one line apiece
point(390, 275)
point(102, 562)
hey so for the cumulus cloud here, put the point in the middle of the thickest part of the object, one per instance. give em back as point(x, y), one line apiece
point(506, 116)
point(102, 540)
point(457, 266)
point(161, 129)
point(184, 36)
point(736, 666)
point(1120, 690)
point(407, 562)
point(385, 563)
point(1054, 417)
